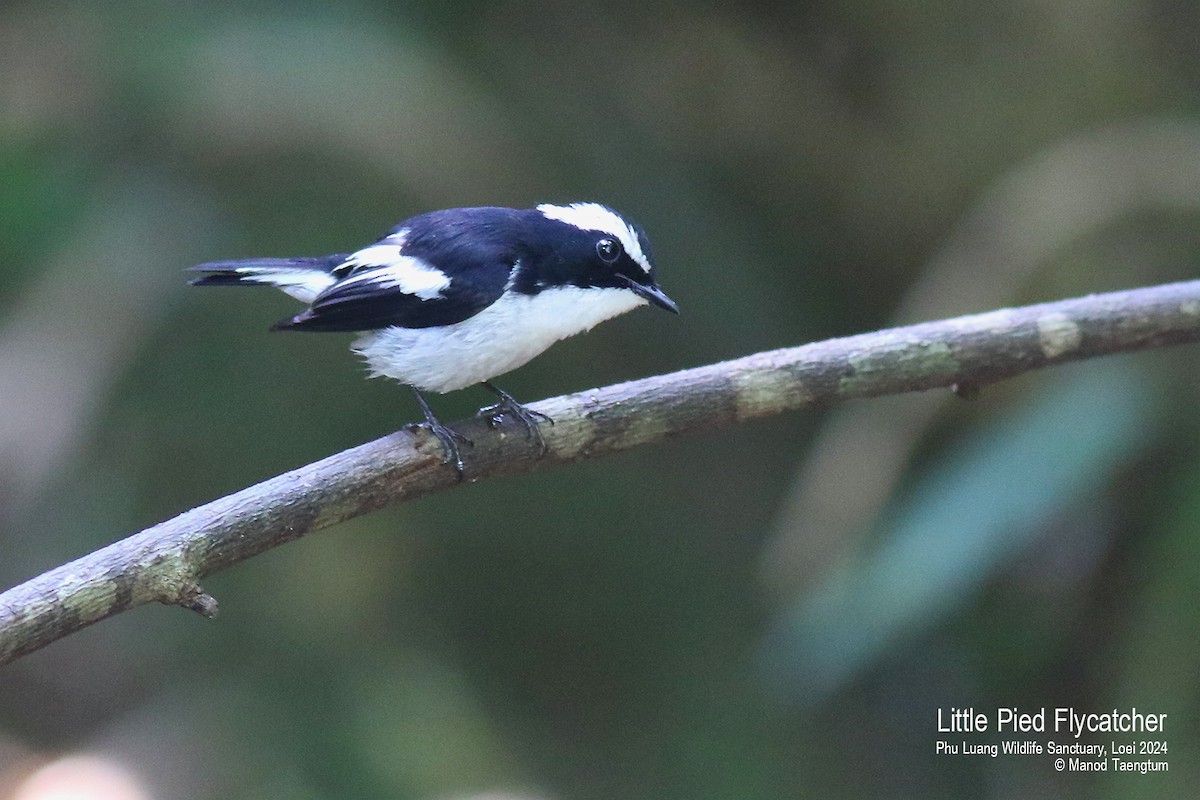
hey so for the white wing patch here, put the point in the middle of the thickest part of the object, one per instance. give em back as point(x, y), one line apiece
point(302, 283)
point(595, 217)
point(386, 266)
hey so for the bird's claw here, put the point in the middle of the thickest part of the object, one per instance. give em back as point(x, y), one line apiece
point(494, 414)
point(449, 440)
point(448, 437)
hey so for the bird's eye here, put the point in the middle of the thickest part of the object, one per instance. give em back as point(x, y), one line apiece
point(609, 250)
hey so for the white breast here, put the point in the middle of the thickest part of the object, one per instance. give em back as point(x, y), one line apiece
point(498, 339)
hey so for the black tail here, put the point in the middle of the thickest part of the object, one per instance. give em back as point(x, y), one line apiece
point(262, 271)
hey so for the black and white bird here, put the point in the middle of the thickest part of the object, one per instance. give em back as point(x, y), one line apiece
point(452, 298)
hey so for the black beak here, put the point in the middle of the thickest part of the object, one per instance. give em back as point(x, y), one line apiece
point(652, 293)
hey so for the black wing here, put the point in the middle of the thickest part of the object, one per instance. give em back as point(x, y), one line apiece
point(434, 269)
point(369, 299)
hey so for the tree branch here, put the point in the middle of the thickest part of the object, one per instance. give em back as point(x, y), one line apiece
point(166, 562)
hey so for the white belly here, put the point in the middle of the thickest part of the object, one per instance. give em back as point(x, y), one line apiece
point(498, 339)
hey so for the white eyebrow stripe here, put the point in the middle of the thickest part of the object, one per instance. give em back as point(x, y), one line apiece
point(388, 268)
point(595, 217)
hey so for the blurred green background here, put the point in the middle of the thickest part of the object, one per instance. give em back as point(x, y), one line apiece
point(773, 611)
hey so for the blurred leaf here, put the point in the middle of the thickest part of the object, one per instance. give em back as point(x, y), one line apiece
point(964, 520)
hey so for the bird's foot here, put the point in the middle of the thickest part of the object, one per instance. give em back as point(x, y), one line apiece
point(447, 436)
point(509, 406)
point(449, 439)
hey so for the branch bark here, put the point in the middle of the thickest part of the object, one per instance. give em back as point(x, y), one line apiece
point(165, 563)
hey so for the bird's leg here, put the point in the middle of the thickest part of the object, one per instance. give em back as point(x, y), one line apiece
point(447, 436)
point(507, 405)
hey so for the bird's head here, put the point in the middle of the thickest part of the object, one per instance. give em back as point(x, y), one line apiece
point(588, 245)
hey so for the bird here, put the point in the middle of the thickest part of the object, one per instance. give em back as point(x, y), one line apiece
point(452, 298)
